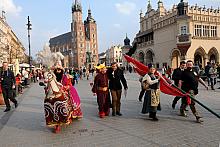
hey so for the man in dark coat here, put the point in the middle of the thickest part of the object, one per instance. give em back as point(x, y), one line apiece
point(116, 77)
point(176, 77)
point(189, 83)
point(8, 84)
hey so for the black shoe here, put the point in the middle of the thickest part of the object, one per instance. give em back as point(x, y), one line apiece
point(219, 88)
point(7, 109)
point(140, 100)
point(155, 119)
point(113, 114)
point(198, 119)
point(16, 105)
point(118, 113)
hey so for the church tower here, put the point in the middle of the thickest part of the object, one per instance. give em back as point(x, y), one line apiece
point(91, 40)
point(78, 35)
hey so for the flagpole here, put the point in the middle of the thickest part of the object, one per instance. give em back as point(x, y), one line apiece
point(191, 97)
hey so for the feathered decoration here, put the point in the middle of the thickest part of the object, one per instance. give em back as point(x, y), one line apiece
point(46, 57)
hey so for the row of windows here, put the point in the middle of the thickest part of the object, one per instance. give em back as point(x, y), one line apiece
point(205, 18)
point(81, 45)
point(164, 23)
point(205, 31)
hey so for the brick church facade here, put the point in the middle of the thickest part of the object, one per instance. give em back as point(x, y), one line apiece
point(80, 46)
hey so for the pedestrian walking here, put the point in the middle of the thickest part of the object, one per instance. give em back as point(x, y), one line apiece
point(8, 84)
point(152, 95)
point(189, 83)
point(213, 75)
point(100, 88)
point(207, 67)
point(164, 70)
point(169, 72)
point(176, 77)
point(87, 74)
point(116, 77)
point(218, 70)
point(142, 89)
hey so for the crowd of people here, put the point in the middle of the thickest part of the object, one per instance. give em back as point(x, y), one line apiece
point(62, 102)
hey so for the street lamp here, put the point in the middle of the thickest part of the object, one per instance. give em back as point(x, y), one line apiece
point(29, 40)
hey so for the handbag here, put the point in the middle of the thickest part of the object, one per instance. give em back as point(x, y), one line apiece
point(145, 85)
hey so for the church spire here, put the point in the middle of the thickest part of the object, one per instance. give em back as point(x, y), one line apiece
point(77, 6)
point(89, 17)
point(149, 7)
point(89, 13)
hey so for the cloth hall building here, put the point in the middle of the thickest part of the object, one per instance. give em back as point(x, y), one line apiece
point(183, 33)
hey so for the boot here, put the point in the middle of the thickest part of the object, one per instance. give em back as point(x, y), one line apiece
point(118, 113)
point(154, 117)
point(7, 109)
point(182, 113)
point(198, 119)
point(150, 115)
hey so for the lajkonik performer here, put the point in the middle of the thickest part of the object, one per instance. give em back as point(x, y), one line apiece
point(62, 102)
point(100, 87)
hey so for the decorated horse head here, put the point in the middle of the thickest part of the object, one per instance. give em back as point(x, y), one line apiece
point(53, 88)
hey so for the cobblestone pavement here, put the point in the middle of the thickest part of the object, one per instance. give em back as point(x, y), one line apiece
point(25, 126)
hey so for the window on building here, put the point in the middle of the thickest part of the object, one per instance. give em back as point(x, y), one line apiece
point(183, 30)
point(207, 34)
point(81, 45)
point(93, 35)
point(198, 30)
point(213, 31)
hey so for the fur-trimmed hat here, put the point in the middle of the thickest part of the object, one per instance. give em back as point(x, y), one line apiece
point(59, 65)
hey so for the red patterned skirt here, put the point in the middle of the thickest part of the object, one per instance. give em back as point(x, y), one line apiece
point(59, 110)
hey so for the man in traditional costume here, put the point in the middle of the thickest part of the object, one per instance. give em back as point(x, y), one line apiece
point(100, 87)
point(62, 103)
point(152, 94)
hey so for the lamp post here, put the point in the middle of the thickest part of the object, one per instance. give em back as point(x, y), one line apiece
point(29, 40)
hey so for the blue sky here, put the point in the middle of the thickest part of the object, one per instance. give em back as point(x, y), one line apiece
point(49, 18)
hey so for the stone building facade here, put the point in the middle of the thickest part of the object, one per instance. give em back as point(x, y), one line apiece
point(80, 46)
point(183, 33)
point(114, 54)
point(11, 47)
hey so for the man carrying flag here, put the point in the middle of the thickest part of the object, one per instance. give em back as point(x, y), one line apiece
point(167, 87)
point(152, 95)
point(189, 83)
